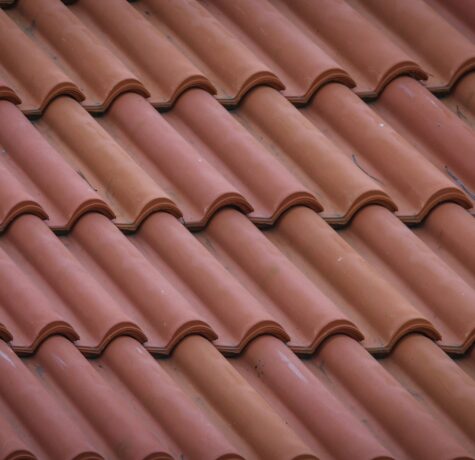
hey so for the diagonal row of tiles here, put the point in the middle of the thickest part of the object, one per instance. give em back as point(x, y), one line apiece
point(376, 280)
point(160, 48)
point(261, 158)
point(266, 403)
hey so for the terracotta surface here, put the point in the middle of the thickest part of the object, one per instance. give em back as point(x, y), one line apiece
point(36, 180)
point(265, 404)
point(7, 94)
point(305, 278)
point(440, 135)
point(237, 229)
point(217, 52)
point(143, 50)
point(427, 37)
point(104, 165)
point(48, 81)
point(433, 283)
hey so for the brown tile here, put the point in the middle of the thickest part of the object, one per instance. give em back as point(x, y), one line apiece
point(163, 279)
point(49, 81)
point(427, 37)
point(229, 64)
point(386, 156)
point(431, 282)
point(74, 49)
point(437, 133)
point(311, 281)
point(306, 152)
point(365, 52)
point(105, 166)
point(36, 180)
point(266, 403)
point(460, 100)
point(7, 94)
point(299, 63)
point(142, 49)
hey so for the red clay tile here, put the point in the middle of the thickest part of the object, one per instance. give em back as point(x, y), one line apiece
point(55, 292)
point(460, 100)
point(442, 387)
point(7, 94)
point(48, 82)
point(231, 150)
point(197, 188)
point(266, 403)
point(311, 281)
point(299, 63)
point(36, 180)
point(168, 283)
point(380, 312)
point(306, 152)
point(403, 171)
point(229, 64)
point(367, 54)
point(144, 50)
point(426, 280)
point(427, 37)
point(409, 422)
point(440, 135)
point(105, 166)
point(75, 50)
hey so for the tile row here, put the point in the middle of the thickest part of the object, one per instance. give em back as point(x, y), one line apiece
point(159, 49)
point(335, 156)
point(266, 403)
point(376, 280)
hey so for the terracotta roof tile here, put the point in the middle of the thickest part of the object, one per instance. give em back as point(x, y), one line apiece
point(333, 408)
point(171, 285)
point(435, 285)
point(49, 81)
point(306, 276)
point(440, 135)
point(35, 179)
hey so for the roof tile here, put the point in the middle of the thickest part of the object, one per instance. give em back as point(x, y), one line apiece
point(35, 179)
point(48, 82)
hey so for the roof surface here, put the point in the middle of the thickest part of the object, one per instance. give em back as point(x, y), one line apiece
point(237, 229)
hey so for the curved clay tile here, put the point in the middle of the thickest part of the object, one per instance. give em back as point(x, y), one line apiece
point(87, 403)
point(226, 394)
point(307, 153)
point(301, 307)
point(441, 385)
point(460, 13)
point(300, 398)
point(56, 294)
point(440, 135)
point(232, 68)
point(440, 49)
point(104, 165)
point(320, 255)
point(163, 279)
point(48, 82)
point(366, 53)
point(72, 47)
point(384, 155)
point(417, 273)
point(236, 154)
point(7, 94)
point(231, 311)
point(197, 188)
point(147, 52)
point(36, 180)
point(33, 424)
point(296, 60)
point(389, 407)
point(460, 100)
